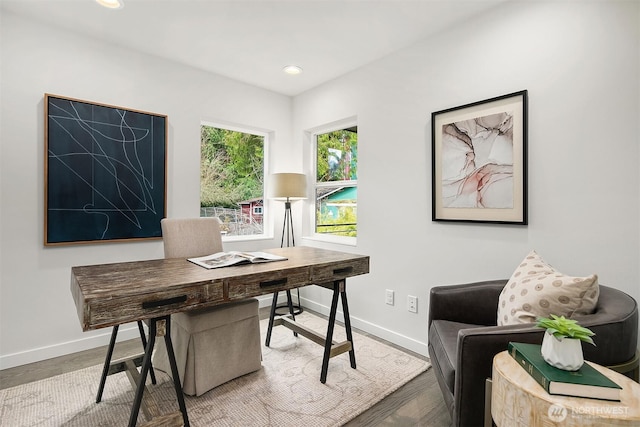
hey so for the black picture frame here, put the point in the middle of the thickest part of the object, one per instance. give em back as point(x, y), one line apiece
point(104, 172)
point(479, 161)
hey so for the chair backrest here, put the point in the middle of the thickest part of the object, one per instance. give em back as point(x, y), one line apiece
point(190, 237)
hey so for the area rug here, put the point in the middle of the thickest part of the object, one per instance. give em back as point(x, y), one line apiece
point(286, 391)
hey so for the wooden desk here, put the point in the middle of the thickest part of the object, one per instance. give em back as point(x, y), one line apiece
point(517, 399)
point(112, 294)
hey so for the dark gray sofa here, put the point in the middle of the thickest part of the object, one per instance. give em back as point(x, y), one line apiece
point(463, 338)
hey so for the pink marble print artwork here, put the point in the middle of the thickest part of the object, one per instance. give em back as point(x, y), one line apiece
point(477, 162)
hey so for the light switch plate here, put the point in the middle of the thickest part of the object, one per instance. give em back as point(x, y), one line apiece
point(389, 297)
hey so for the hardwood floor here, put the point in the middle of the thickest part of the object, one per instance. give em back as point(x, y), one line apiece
point(417, 403)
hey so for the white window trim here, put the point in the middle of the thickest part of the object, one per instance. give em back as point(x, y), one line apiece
point(267, 217)
point(310, 205)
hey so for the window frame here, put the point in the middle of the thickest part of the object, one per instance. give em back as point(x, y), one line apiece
point(311, 136)
point(267, 217)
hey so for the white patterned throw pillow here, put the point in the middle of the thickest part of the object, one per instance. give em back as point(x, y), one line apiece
point(537, 289)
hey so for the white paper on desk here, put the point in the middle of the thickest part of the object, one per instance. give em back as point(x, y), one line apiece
point(225, 259)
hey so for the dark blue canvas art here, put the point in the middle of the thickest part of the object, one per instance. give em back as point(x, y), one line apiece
point(105, 172)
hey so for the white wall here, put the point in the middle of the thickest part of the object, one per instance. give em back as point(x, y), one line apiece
point(37, 315)
point(580, 63)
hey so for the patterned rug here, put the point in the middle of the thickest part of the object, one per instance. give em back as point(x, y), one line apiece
point(286, 391)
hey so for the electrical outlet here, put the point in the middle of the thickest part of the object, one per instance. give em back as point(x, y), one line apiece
point(412, 303)
point(389, 297)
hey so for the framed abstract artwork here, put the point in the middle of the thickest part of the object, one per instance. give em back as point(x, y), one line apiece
point(104, 172)
point(479, 161)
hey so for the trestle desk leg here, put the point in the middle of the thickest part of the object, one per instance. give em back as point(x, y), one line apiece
point(175, 374)
point(347, 326)
point(107, 360)
point(143, 338)
point(146, 364)
point(144, 369)
point(329, 337)
point(290, 304)
point(272, 315)
point(107, 363)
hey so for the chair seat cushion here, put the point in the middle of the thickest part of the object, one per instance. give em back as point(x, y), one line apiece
point(195, 321)
point(443, 340)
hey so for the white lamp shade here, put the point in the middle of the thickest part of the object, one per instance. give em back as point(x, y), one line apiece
point(290, 186)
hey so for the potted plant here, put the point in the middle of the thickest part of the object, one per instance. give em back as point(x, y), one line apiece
point(561, 346)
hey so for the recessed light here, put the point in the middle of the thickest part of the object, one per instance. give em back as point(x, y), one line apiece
point(111, 4)
point(292, 69)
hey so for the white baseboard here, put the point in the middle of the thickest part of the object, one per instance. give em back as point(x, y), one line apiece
point(125, 332)
point(131, 332)
point(373, 329)
point(43, 353)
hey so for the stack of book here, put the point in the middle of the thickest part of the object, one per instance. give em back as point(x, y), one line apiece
point(585, 382)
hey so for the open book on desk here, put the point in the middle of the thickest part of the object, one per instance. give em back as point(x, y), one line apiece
point(226, 259)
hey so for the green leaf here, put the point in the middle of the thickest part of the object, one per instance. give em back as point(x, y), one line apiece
point(560, 326)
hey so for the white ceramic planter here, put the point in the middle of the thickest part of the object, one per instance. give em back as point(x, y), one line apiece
point(563, 353)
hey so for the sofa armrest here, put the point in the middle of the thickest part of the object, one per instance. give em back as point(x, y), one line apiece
point(476, 349)
point(475, 303)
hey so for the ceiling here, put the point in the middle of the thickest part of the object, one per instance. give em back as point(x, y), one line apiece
point(251, 41)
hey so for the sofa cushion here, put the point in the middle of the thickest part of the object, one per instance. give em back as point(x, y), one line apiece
point(537, 289)
point(443, 340)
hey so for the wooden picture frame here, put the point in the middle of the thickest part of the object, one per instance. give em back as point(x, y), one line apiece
point(479, 161)
point(104, 172)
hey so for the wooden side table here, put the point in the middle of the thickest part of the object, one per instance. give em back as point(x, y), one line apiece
point(518, 400)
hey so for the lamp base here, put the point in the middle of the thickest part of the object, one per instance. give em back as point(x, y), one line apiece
point(297, 308)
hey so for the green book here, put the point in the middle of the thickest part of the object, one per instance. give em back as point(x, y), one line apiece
point(585, 382)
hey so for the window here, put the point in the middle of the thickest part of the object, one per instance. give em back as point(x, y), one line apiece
point(336, 185)
point(232, 179)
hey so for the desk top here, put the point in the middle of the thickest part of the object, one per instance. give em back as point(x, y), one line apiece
point(517, 399)
point(111, 294)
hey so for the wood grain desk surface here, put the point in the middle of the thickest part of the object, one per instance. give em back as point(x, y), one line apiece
point(112, 294)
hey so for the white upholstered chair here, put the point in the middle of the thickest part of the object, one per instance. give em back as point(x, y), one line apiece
point(212, 345)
